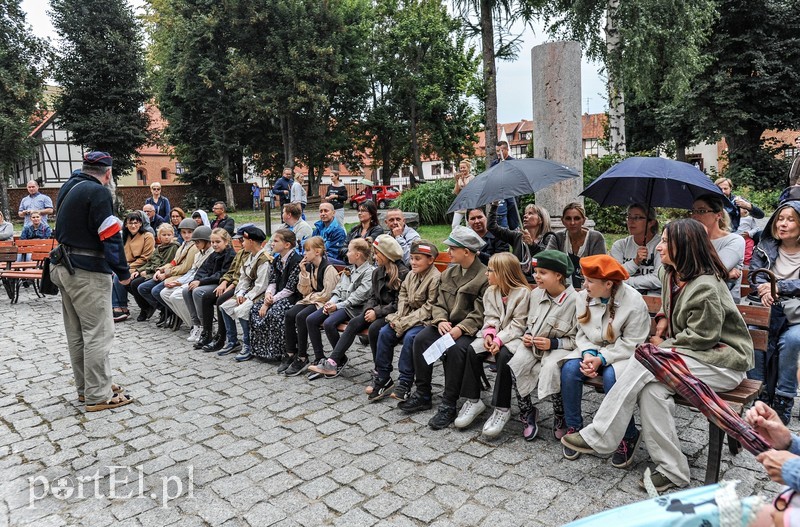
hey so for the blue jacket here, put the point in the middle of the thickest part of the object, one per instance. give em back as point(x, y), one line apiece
point(279, 187)
point(42, 233)
point(766, 252)
point(333, 234)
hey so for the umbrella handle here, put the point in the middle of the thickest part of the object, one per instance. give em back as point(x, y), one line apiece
point(773, 282)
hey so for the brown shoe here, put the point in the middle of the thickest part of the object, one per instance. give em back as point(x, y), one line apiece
point(115, 388)
point(118, 400)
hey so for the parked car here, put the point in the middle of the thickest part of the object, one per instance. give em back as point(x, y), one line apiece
point(382, 195)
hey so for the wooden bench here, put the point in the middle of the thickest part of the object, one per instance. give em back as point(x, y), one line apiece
point(757, 319)
point(19, 273)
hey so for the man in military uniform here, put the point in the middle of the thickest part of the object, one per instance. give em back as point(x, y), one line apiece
point(90, 249)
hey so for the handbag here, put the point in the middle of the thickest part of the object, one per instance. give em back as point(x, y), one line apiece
point(46, 285)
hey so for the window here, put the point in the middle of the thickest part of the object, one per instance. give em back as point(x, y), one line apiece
point(436, 170)
point(178, 168)
point(696, 160)
point(591, 148)
point(525, 136)
point(164, 173)
point(791, 152)
point(140, 176)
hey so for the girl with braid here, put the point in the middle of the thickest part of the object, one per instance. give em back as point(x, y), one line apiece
point(612, 320)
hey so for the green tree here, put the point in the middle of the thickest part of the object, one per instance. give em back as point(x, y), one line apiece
point(192, 70)
point(649, 48)
point(100, 67)
point(423, 72)
point(752, 85)
point(22, 76)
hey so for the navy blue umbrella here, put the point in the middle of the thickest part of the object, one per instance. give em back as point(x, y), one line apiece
point(509, 179)
point(651, 181)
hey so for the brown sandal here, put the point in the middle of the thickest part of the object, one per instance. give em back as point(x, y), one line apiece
point(115, 389)
point(118, 400)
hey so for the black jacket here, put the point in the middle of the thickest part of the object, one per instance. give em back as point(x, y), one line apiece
point(384, 300)
point(86, 221)
point(216, 265)
point(226, 223)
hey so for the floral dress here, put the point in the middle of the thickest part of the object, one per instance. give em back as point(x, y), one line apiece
point(268, 334)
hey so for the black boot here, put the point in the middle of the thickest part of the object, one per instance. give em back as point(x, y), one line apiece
point(162, 318)
point(205, 339)
point(783, 407)
point(178, 322)
point(216, 344)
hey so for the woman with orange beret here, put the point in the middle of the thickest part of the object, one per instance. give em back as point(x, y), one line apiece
point(612, 320)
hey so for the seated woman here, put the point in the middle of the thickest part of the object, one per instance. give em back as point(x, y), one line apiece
point(267, 328)
point(549, 338)
point(37, 230)
point(709, 211)
point(612, 320)
point(176, 215)
point(139, 246)
point(576, 241)
point(414, 305)
point(525, 244)
point(732, 203)
point(201, 217)
point(163, 254)
point(779, 251)
point(505, 312)
point(6, 229)
point(637, 252)
point(204, 281)
point(253, 280)
point(172, 292)
point(368, 227)
point(387, 278)
point(698, 320)
point(181, 263)
point(347, 302)
point(317, 281)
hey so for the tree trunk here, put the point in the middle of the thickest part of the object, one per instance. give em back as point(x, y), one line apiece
point(230, 201)
point(287, 131)
point(489, 80)
point(386, 161)
point(4, 177)
point(415, 156)
point(680, 152)
point(616, 97)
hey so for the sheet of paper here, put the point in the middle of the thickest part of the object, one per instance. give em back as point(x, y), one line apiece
point(438, 348)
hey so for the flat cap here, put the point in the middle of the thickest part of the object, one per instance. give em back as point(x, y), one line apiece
point(465, 238)
point(98, 159)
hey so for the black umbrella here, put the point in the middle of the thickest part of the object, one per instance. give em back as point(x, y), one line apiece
point(509, 179)
point(651, 181)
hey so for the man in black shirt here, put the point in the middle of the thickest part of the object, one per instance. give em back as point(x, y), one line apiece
point(90, 250)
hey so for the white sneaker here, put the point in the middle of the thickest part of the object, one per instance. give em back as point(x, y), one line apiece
point(495, 424)
point(194, 334)
point(468, 413)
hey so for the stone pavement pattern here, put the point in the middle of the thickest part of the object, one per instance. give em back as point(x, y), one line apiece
point(261, 449)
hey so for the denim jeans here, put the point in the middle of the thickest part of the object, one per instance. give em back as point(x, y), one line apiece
point(387, 340)
point(151, 292)
point(231, 334)
point(119, 295)
point(572, 393)
point(788, 348)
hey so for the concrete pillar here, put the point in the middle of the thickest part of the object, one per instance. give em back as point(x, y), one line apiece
point(557, 134)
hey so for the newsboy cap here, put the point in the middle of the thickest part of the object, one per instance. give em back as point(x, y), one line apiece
point(98, 159)
point(465, 238)
point(251, 232)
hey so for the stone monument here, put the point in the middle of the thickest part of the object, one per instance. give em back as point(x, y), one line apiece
point(557, 134)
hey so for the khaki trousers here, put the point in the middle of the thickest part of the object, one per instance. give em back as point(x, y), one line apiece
point(173, 298)
point(657, 409)
point(86, 301)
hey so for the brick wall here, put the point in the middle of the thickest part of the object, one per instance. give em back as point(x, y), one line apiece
point(134, 197)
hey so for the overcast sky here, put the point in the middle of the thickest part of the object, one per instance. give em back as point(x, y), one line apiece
point(513, 78)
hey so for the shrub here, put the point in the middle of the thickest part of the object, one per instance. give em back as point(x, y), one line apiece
point(430, 201)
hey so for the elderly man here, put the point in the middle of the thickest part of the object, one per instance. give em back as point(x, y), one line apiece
point(330, 230)
point(154, 219)
point(35, 201)
point(405, 235)
point(283, 187)
point(223, 221)
point(476, 219)
point(90, 250)
point(458, 310)
point(292, 220)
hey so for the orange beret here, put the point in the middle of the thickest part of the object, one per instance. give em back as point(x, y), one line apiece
point(603, 267)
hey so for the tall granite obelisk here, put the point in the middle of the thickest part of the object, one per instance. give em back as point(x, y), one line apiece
point(556, 71)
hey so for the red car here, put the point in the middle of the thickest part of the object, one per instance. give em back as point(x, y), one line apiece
point(382, 195)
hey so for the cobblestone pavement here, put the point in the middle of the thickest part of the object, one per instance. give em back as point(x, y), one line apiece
point(213, 442)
